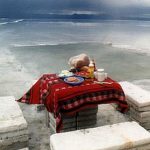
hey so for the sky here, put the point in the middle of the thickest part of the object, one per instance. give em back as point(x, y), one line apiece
point(114, 7)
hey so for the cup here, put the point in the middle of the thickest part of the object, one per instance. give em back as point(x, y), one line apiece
point(106, 75)
point(96, 75)
point(101, 76)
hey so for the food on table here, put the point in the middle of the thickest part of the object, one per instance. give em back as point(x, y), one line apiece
point(84, 68)
point(72, 79)
point(82, 63)
point(65, 73)
point(83, 74)
point(91, 70)
point(79, 61)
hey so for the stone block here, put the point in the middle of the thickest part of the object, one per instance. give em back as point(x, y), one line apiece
point(67, 120)
point(87, 117)
point(76, 124)
point(146, 125)
point(135, 94)
point(140, 120)
point(53, 129)
point(140, 116)
point(122, 136)
point(88, 111)
point(140, 109)
point(13, 126)
point(83, 119)
point(86, 127)
point(86, 123)
point(66, 125)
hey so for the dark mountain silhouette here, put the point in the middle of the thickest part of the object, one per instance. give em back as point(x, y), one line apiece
point(75, 16)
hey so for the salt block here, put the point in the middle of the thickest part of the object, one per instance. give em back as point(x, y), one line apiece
point(68, 130)
point(53, 129)
point(88, 111)
point(13, 126)
point(86, 123)
point(135, 94)
point(87, 118)
point(138, 119)
point(65, 126)
point(66, 119)
point(146, 125)
point(127, 135)
point(71, 120)
point(85, 127)
point(140, 109)
point(140, 114)
point(76, 124)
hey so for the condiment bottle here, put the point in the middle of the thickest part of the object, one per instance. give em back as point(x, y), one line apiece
point(101, 74)
point(93, 61)
point(91, 70)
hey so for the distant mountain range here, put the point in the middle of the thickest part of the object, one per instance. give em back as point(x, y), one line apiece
point(75, 16)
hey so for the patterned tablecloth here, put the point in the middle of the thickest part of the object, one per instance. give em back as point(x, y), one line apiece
point(60, 97)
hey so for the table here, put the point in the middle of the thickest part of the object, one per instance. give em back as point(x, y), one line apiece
point(60, 97)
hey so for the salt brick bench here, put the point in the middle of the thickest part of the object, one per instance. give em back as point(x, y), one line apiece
point(13, 126)
point(139, 101)
point(137, 96)
point(122, 136)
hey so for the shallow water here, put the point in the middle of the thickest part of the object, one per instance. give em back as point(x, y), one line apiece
point(42, 46)
point(121, 65)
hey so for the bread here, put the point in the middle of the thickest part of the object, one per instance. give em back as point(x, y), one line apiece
point(72, 79)
point(84, 68)
point(79, 61)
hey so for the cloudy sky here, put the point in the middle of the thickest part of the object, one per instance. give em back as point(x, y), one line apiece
point(115, 7)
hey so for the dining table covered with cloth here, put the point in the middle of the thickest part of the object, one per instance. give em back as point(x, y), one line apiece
point(62, 98)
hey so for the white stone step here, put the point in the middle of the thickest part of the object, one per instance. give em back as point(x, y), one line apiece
point(135, 94)
point(13, 126)
point(127, 135)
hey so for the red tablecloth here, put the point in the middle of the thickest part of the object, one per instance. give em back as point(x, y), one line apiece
point(59, 97)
